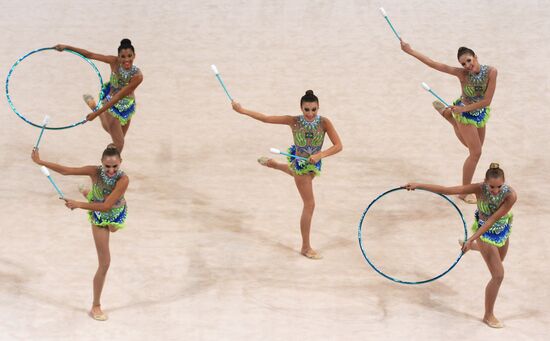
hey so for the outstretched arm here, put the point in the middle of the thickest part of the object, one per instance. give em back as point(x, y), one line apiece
point(116, 194)
point(63, 170)
point(125, 91)
point(111, 60)
point(464, 189)
point(455, 71)
point(334, 138)
point(286, 119)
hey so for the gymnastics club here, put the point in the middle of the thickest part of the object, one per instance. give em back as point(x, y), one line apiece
point(217, 73)
point(277, 151)
point(44, 124)
point(46, 172)
point(389, 22)
point(427, 88)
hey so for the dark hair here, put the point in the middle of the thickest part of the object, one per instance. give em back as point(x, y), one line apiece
point(464, 50)
point(309, 97)
point(111, 150)
point(494, 172)
point(126, 44)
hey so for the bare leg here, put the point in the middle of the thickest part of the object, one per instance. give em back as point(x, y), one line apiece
point(110, 124)
point(471, 138)
point(126, 127)
point(283, 167)
point(83, 190)
point(504, 250)
point(101, 238)
point(115, 130)
point(492, 257)
point(304, 183)
point(91, 103)
point(449, 117)
point(481, 133)
point(105, 123)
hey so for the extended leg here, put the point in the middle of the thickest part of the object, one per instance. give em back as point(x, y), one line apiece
point(283, 167)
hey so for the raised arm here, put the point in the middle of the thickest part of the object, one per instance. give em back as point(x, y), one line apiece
point(116, 194)
point(464, 189)
point(286, 119)
point(111, 60)
point(125, 91)
point(63, 170)
point(455, 71)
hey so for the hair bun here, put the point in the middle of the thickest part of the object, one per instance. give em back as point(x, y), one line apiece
point(125, 42)
point(309, 93)
point(111, 146)
point(494, 165)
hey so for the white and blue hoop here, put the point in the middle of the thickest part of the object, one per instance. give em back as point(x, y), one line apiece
point(41, 125)
point(396, 279)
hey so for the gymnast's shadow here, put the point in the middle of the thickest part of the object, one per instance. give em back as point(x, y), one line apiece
point(15, 280)
point(422, 294)
point(200, 279)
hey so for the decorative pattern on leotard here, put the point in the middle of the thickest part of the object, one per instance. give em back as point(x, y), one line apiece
point(473, 92)
point(308, 140)
point(124, 109)
point(487, 206)
point(101, 189)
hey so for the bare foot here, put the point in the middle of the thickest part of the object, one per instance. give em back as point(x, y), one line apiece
point(440, 107)
point(311, 254)
point(265, 161)
point(469, 199)
point(97, 314)
point(474, 246)
point(83, 190)
point(89, 101)
point(493, 322)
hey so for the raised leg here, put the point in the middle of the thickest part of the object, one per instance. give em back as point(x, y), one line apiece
point(440, 107)
point(283, 167)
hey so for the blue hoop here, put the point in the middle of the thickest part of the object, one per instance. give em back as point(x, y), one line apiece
point(395, 279)
point(33, 52)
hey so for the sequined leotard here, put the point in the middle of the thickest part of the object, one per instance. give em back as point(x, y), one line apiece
point(102, 188)
point(472, 92)
point(487, 205)
point(125, 108)
point(308, 140)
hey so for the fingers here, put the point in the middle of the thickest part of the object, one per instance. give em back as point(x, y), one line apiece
point(409, 187)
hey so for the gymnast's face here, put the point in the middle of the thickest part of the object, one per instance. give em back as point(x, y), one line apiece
point(310, 109)
point(469, 62)
point(126, 58)
point(495, 185)
point(111, 165)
